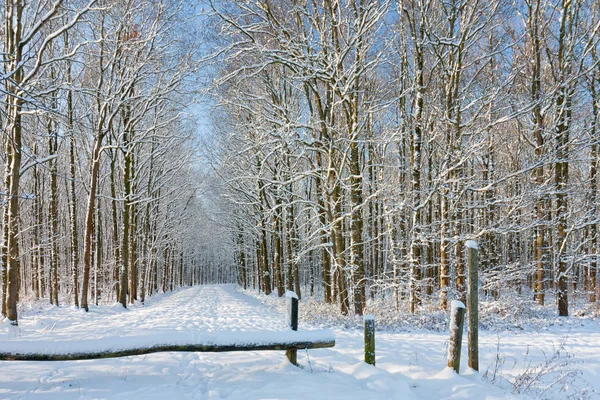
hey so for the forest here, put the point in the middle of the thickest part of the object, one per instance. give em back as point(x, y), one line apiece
point(359, 144)
point(342, 149)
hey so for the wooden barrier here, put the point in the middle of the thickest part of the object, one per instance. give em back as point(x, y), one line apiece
point(369, 339)
point(292, 315)
point(457, 319)
point(457, 315)
point(216, 348)
point(473, 304)
point(291, 342)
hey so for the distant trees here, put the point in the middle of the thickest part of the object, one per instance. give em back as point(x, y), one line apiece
point(361, 143)
point(307, 99)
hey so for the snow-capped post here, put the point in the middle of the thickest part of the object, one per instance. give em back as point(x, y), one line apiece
point(369, 339)
point(292, 320)
point(473, 304)
point(457, 320)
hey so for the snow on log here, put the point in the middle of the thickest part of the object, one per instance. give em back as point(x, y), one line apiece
point(173, 341)
point(455, 305)
point(471, 244)
point(291, 295)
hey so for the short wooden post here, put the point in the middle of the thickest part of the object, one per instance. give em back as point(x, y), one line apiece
point(292, 315)
point(369, 339)
point(457, 319)
point(473, 304)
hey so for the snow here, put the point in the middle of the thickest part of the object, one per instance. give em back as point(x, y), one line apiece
point(471, 244)
point(291, 295)
point(454, 304)
point(369, 317)
point(410, 365)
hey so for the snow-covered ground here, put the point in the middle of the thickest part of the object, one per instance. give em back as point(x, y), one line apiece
point(555, 363)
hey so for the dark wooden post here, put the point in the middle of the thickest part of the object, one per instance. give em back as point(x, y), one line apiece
point(292, 315)
point(457, 319)
point(369, 339)
point(473, 304)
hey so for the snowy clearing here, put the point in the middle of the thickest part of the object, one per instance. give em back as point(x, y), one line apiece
point(410, 365)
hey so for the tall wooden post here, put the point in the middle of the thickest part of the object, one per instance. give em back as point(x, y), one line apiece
point(292, 315)
point(369, 339)
point(473, 304)
point(457, 320)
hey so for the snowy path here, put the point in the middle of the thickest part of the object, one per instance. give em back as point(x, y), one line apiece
point(409, 365)
point(202, 316)
point(202, 308)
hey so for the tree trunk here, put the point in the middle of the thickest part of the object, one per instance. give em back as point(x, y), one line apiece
point(89, 219)
point(278, 249)
point(593, 190)
point(39, 218)
point(126, 223)
point(98, 249)
point(72, 186)
point(53, 212)
point(561, 166)
point(115, 227)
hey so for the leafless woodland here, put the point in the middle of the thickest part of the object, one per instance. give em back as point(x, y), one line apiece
point(352, 147)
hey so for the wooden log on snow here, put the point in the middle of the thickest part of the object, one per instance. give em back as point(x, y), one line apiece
point(288, 345)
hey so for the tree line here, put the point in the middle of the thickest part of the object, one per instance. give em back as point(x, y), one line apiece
point(99, 184)
point(358, 144)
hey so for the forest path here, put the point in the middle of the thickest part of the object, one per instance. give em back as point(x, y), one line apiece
point(190, 315)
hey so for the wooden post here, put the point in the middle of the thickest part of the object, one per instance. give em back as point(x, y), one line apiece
point(292, 315)
point(457, 319)
point(369, 339)
point(473, 304)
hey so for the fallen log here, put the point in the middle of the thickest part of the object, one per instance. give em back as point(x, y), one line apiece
point(158, 349)
point(100, 348)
